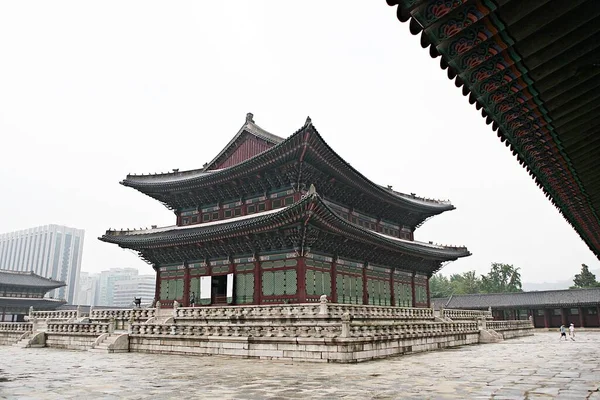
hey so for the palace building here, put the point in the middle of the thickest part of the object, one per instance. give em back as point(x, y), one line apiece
point(272, 220)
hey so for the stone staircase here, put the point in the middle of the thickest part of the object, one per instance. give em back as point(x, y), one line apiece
point(117, 342)
point(31, 339)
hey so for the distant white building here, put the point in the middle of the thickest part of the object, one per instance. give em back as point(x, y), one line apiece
point(104, 295)
point(51, 251)
point(88, 285)
point(137, 286)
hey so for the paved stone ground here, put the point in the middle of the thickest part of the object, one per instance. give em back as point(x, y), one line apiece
point(537, 367)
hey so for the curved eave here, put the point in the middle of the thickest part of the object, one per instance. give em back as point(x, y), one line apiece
point(532, 69)
point(291, 148)
point(311, 208)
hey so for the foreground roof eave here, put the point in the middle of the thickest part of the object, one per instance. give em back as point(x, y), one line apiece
point(534, 88)
point(296, 212)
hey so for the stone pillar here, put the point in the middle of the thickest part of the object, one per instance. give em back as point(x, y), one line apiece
point(186, 284)
point(412, 289)
point(581, 317)
point(78, 311)
point(345, 325)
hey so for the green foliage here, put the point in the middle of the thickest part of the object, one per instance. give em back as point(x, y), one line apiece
point(502, 278)
point(585, 278)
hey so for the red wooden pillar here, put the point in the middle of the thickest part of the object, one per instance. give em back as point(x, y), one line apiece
point(301, 273)
point(365, 286)
point(186, 284)
point(333, 281)
point(392, 292)
point(3, 313)
point(563, 316)
point(257, 281)
point(157, 285)
point(598, 314)
point(546, 323)
point(581, 317)
point(428, 294)
point(412, 289)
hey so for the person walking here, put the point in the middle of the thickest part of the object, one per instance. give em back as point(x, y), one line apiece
point(563, 332)
point(572, 331)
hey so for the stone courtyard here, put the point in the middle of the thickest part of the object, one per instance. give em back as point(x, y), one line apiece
point(534, 367)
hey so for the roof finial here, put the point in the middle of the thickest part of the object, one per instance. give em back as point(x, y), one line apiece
point(249, 117)
point(308, 121)
point(311, 190)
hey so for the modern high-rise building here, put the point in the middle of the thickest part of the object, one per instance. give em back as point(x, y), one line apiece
point(140, 286)
point(51, 251)
point(104, 295)
point(87, 288)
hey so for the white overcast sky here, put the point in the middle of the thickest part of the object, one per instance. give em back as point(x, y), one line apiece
point(90, 91)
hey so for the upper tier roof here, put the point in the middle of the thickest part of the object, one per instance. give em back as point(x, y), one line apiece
point(311, 209)
point(533, 69)
point(299, 146)
point(28, 279)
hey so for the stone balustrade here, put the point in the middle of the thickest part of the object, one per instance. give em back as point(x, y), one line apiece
point(412, 330)
point(301, 311)
point(55, 315)
point(509, 325)
point(16, 327)
point(193, 330)
point(458, 315)
point(122, 314)
point(95, 328)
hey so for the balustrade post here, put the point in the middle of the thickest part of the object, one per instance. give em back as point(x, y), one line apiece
point(345, 325)
point(323, 305)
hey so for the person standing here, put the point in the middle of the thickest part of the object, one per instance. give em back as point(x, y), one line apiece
point(572, 331)
point(193, 299)
point(563, 332)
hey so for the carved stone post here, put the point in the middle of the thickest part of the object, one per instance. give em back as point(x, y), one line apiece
point(175, 306)
point(78, 311)
point(90, 313)
point(111, 325)
point(346, 325)
point(34, 324)
point(31, 312)
point(323, 305)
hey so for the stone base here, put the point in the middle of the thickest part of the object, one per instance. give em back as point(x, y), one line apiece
point(343, 350)
point(70, 341)
point(9, 338)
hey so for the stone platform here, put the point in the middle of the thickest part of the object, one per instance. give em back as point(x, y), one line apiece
point(301, 332)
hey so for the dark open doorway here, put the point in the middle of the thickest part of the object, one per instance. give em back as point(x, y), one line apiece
point(219, 289)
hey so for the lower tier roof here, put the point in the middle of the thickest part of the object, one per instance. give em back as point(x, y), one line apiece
point(28, 280)
point(305, 224)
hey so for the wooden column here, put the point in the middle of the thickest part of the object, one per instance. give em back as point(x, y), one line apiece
point(563, 316)
point(412, 288)
point(428, 294)
point(257, 281)
point(301, 281)
point(581, 317)
point(365, 286)
point(157, 284)
point(3, 313)
point(598, 314)
point(186, 285)
point(546, 323)
point(333, 280)
point(392, 292)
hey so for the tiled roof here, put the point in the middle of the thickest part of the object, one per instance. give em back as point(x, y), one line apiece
point(523, 299)
point(532, 68)
point(28, 279)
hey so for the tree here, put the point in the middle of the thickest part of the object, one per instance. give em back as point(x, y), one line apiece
point(439, 286)
point(502, 278)
point(585, 278)
point(465, 283)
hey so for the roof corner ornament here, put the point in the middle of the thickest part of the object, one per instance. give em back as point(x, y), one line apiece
point(311, 190)
point(308, 121)
point(249, 117)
